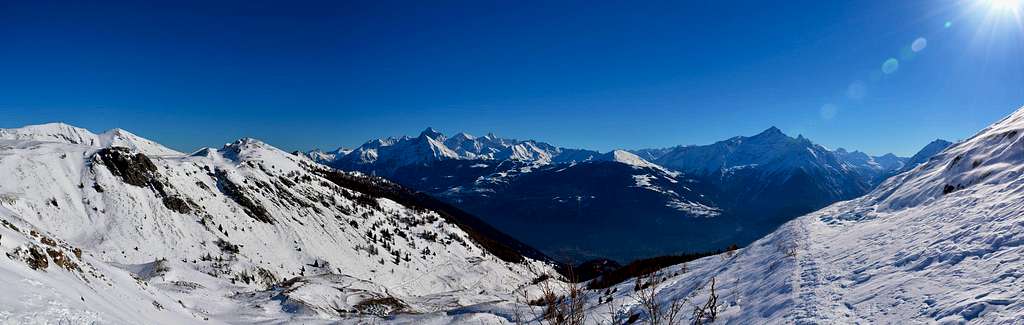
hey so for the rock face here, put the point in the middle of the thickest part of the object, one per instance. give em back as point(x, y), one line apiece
point(202, 237)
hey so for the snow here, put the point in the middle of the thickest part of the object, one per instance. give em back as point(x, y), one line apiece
point(904, 253)
point(694, 208)
point(218, 258)
point(60, 132)
point(940, 243)
point(628, 158)
point(431, 145)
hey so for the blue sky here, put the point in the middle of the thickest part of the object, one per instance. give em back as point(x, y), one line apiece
point(598, 75)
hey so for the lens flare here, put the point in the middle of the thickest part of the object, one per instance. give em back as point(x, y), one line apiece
point(890, 66)
point(919, 44)
point(828, 111)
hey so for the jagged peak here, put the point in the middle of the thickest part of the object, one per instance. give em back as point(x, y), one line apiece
point(247, 142)
point(771, 134)
point(432, 133)
point(771, 131)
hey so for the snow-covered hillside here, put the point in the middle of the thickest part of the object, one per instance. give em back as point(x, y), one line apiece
point(941, 243)
point(113, 228)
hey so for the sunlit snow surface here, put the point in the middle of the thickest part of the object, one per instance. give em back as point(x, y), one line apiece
point(941, 243)
point(144, 263)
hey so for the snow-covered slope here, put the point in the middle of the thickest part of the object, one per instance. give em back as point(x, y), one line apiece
point(941, 243)
point(244, 233)
point(628, 158)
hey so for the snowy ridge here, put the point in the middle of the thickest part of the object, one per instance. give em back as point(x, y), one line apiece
point(386, 155)
point(938, 244)
point(628, 158)
point(191, 238)
point(60, 132)
point(325, 157)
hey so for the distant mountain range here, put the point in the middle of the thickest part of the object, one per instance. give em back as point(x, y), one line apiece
point(570, 202)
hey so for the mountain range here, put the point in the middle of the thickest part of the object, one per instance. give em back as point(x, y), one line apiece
point(937, 244)
point(113, 228)
point(680, 199)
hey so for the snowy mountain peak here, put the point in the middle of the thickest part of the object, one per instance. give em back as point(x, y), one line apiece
point(64, 133)
point(122, 138)
point(52, 132)
point(938, 244)
point(433, 134)
point(254, 150)
point(134, 238)
point(247, 143)
point(626, 157)
point(384, 156)
point(631, 159)
point(936, 145)
point(926, 153)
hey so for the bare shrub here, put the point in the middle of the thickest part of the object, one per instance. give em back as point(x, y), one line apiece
point(709, 311)
point(645, 294)
point(560, 307)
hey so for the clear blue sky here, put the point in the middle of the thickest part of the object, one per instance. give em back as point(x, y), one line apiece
point(595, 74)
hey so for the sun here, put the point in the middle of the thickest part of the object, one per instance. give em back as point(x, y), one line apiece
point(1005, 6)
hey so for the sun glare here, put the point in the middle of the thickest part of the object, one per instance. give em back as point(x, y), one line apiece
point(1005, 6)
point(998, 15)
